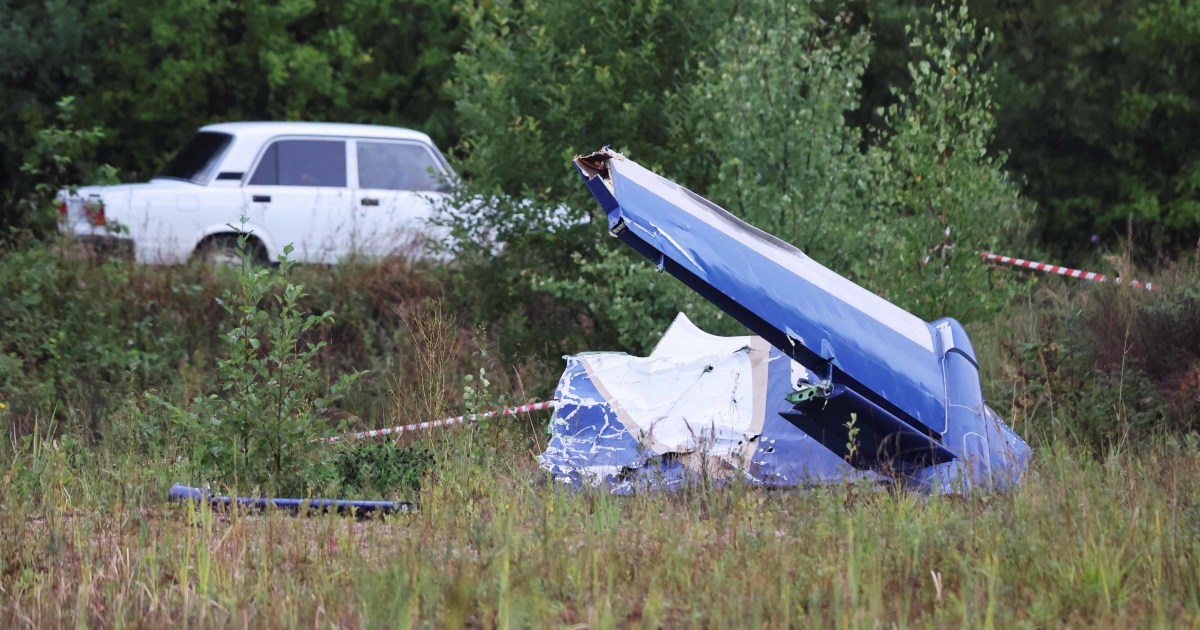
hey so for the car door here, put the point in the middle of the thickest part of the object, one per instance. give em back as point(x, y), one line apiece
point(299, 193)
point(399, 186)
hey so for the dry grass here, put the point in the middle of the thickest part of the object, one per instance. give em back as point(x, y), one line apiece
point(1113, 542)
point(1106, 533)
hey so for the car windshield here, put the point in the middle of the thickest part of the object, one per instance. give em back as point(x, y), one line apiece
point(198, 158)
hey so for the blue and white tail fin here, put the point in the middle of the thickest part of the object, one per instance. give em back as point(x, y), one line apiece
point(906, 390)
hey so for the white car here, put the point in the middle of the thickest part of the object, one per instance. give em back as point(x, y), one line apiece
point(330, 190)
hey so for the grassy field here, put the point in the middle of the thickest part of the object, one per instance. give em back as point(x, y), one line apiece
point(1110, 541)
point(1104, 531)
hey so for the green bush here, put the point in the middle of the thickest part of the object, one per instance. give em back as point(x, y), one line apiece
point(537, 83)
point(265, 424)
point(82, 338)
point(1102, 366)
point(904, 218)
point(946, 193)
point(59, 158)
point(381, 469)
point(80, 333)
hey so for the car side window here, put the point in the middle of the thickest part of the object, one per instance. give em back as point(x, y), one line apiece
point(397, 166)
point(302, 163)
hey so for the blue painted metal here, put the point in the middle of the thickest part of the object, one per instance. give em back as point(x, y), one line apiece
point(590, 445)
point(911, 388)
point(180, 492)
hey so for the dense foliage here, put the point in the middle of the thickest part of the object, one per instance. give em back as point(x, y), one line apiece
point(905, 216)
point(1099, 107)
point(1095, 100)
point(752, 114)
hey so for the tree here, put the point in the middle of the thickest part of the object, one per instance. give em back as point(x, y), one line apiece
point(1098, 108)
point(772, 115)
point(948, 194)
point(903, 217)
point(536, 84)
point(757, 121)
point(42, 54)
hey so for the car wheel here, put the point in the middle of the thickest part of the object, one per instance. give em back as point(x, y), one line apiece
point(222, 251)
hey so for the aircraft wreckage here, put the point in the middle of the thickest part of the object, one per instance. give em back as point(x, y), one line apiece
point(837, 384)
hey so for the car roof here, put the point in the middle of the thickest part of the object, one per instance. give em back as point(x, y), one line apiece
point(271, 129)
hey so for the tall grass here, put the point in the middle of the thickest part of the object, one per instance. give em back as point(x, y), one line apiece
point(1103, 531)
point(1083, 541)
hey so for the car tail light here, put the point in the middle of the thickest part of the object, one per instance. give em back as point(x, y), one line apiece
point(62, 211)
point(93, 209)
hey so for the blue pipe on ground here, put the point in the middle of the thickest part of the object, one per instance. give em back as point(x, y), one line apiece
point(181, 493)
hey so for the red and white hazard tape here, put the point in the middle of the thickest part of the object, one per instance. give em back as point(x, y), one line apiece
point(445, 422)
point(1062, 271)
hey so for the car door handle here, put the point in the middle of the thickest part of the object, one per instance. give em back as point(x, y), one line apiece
point(262, 198)
point(369, 201)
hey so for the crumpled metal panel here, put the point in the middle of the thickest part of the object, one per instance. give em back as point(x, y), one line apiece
point(907, 390)
point(700, 406)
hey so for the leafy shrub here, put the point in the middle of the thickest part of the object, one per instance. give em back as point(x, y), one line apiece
point(264, 426)
point(903, 218)
point(947, 195)
point(84, 338)
point(536, 84)
point(627, 301)
point(771, 112)
point(80, 333)
point(59, 157)
point(381, 469)
point(1103, 366)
